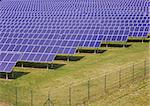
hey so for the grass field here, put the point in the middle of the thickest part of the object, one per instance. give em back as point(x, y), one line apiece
point(132, 95)
point(43, 80)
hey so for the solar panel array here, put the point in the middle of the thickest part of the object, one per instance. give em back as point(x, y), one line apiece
point(38, 30)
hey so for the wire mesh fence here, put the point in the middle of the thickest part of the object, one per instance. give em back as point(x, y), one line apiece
point(77, 94)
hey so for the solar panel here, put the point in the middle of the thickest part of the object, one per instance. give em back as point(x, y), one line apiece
point(37, 30)
point(8, 60)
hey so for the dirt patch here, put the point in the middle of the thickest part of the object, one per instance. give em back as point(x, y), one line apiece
point(4, 104)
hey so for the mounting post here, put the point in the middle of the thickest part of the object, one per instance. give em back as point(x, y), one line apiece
point(126, 45)
point(52, 65)
point(68, 58)
point(142, 40)
point(47, 66)
point(12, 75)
point(7, 76)
point(106, 44)
point(94, 51)
point(123, 45)
point(78, 51)
point(22, 65)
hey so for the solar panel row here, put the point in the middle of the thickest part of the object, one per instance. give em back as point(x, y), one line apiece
point(37, 30)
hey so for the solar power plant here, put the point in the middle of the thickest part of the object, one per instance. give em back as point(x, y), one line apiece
point(38, 30)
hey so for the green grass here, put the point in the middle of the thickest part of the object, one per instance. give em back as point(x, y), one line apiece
point(43, 81)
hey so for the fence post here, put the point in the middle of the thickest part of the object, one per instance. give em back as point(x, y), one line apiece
point(49, 99)
point(84, 103)
point(145, 64)
point(120, 78)
point(31, 98)
point(16, 96)
point(133, 72)
point(70, 99)
point(89, 89)
point(105, 83)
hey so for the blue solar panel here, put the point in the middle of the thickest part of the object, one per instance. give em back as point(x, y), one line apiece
point(37, 30)
point(8, 60)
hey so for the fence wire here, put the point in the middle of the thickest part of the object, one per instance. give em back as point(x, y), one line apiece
point(79, 93)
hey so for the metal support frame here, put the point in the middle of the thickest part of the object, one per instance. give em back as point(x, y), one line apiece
point(78, 51)
point(12, 75)
point(124, 45)
point(96, 51)
point(47, 66)
point(106, 44)
point(52, 65)
point(142, 40)
point(7, 76)
point(68, 59)
point(22, 65)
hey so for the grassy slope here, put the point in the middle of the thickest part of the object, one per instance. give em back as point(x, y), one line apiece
point(90, 65)
point(132, 95)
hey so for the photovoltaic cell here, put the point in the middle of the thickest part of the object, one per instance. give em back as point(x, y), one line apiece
point(37, 30)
